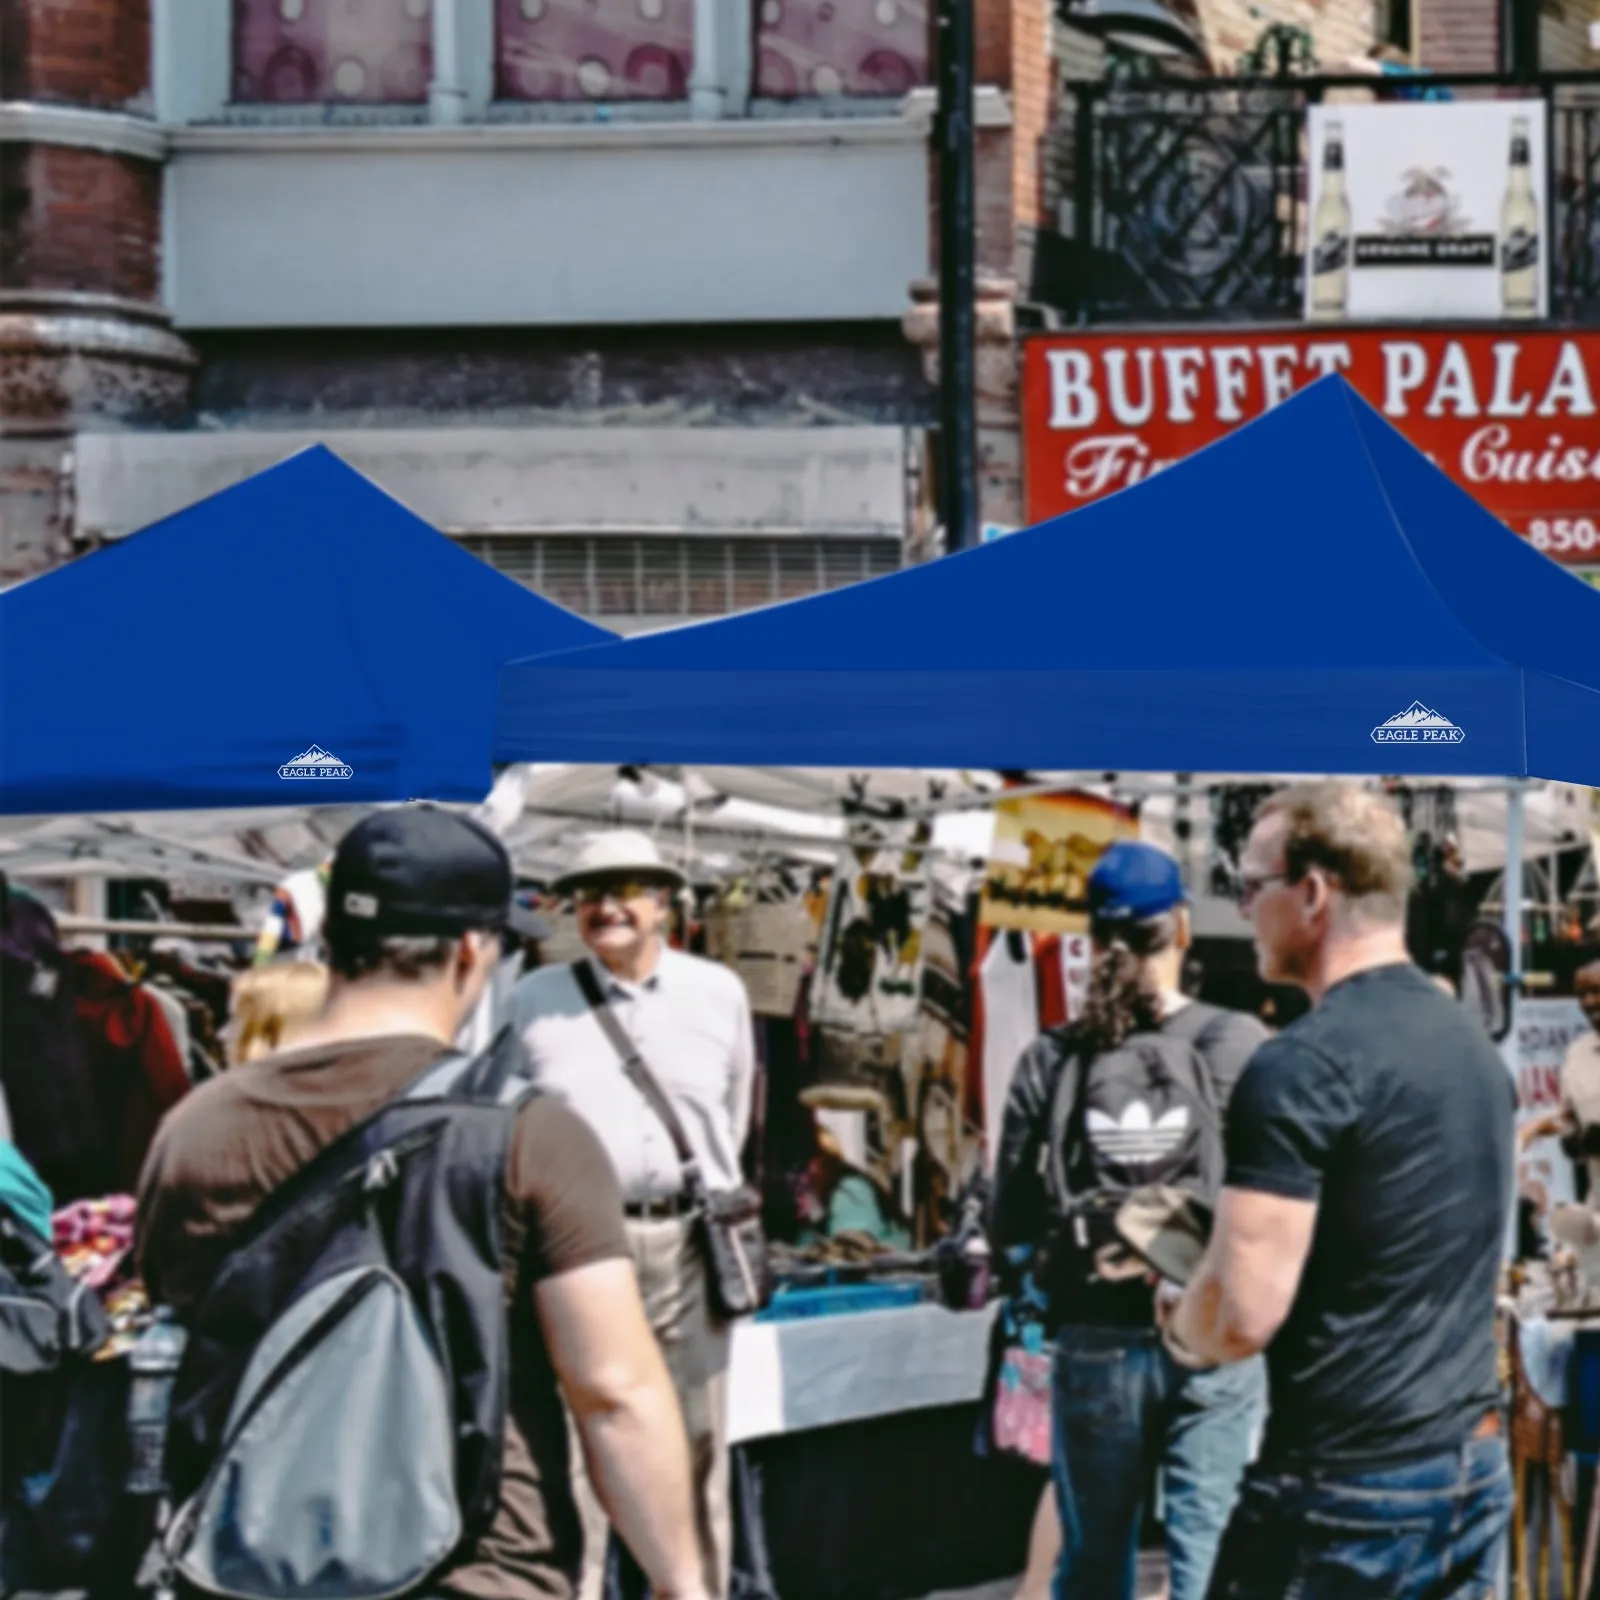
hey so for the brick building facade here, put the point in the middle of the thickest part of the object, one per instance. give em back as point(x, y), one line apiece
point(208, 252)
point(83, 334)
point(651, 292)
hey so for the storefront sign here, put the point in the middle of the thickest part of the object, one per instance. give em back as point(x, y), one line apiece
point(1427, 212)
point(1534, 1050)
point(1511, 416)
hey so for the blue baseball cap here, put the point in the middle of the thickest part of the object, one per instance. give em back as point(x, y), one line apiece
point(1132, 881)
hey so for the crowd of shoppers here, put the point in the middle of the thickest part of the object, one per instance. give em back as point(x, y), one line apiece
point(1267, 1263)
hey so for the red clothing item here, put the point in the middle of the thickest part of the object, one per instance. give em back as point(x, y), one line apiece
point(1053, 1008)
point(132, 1056)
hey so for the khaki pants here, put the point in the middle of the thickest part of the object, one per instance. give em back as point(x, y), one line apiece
point(672, 1279)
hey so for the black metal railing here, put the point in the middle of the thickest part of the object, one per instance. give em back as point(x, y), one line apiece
point(1188, 197)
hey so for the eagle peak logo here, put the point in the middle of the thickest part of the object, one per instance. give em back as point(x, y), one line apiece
point(315, 763)
point(1418, 725)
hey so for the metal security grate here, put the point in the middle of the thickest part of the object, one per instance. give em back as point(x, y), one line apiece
point(609, 576)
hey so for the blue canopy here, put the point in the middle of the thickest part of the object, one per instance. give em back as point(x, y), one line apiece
point(298, 639)
point(1309, 594)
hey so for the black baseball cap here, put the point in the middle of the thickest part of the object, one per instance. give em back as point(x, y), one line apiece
point(417, 870)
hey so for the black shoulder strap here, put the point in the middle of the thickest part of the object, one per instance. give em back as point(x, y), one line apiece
point(640, 1075)
point(1063, 1099)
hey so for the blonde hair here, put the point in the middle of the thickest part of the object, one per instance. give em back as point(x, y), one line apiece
point(267, 1004)
point(1355, 836)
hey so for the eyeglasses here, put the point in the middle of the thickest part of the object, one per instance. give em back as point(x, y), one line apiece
point(591, 894)
point(1250, 886)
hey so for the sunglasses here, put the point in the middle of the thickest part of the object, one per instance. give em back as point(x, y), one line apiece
point(1250, 887)
point(591, 894)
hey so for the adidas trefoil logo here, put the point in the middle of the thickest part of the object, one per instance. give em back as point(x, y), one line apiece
point(315, 763)
point(1136, 1138)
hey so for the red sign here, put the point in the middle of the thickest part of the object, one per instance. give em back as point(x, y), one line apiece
point(1511, 416)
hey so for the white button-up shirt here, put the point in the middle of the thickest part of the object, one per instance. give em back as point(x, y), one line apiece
point(690, 1021)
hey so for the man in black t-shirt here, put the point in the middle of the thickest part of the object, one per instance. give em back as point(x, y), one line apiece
point(1359, 1236)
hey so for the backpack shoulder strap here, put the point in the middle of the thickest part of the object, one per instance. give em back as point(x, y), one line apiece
point(1063, 1100)
point(1201, 1025)
point(1198, 1022)
point(497, 1075)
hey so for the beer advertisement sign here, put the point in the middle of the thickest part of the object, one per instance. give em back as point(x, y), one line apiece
point(1427, 212)
point(1513, 415)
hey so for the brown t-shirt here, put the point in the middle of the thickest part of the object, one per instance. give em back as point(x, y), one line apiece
point(227, 1145)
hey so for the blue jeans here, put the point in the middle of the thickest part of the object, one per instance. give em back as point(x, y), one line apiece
point(1124, 1409)
point(1433, 1529)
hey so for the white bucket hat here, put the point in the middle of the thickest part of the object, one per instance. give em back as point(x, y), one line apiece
point(615, 855)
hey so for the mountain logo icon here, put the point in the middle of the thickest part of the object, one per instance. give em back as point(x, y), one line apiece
point(1136, 1138)
point(1418, 725)
point(315, 763)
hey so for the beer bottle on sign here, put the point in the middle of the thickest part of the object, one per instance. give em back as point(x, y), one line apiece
point(1519, 232)
point(1330, 234)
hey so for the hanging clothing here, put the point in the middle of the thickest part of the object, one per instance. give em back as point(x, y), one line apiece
point(23, 1191)
point(1008, 998)
point(58, 1119)
point(1050, 965)
point(134, 1062)
point(177, 1020)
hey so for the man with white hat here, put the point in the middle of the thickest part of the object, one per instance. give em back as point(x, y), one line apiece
point(688, 1021)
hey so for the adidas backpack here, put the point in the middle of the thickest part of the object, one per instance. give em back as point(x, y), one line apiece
point(338, 1418)
point(1144, 1113)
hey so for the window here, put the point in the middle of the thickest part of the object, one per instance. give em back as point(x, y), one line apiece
point(1397, 32)
point(828, 48)
point(593, 49)
point(294, 52)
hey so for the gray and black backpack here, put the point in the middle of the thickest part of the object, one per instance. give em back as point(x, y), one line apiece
point(338, 1419)
point(1144, 1113)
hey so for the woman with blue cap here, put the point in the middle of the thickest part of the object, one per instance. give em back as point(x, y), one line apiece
point(1117, 1116)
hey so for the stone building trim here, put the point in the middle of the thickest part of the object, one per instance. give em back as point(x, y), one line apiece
point(400, 138)
point(111, 132)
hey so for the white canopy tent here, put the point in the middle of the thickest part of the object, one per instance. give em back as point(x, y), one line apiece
point(717, 822)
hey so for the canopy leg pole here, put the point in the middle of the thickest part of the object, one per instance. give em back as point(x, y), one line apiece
point(1512, 894)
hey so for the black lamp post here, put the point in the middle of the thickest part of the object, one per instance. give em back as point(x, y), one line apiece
point(958, 362)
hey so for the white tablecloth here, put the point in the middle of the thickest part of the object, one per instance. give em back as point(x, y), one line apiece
point(814, 1372)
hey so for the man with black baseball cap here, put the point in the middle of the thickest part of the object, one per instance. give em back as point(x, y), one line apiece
point(418, 898)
